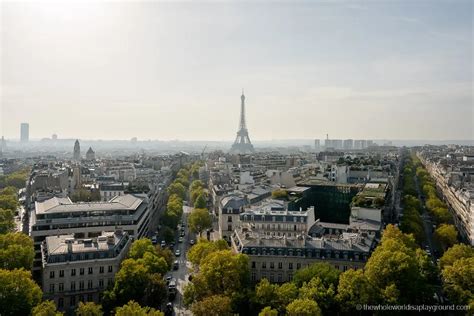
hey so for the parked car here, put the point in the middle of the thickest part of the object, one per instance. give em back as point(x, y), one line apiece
point(163, 244)
point(182, 234)
point(191, 241)
point(180, 239)
point(169, 309)
point(177, 253)
point(154, 240)
point(176, 265)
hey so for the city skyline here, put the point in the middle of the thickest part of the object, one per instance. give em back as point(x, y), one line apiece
point(107, 70)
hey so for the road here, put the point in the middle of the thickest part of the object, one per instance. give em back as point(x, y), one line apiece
point(181, 275)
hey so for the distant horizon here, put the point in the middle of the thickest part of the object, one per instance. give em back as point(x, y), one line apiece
point(106, 69)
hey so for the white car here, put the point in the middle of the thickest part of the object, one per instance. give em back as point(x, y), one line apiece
point(180, 239)
point(177, 253)
point(191, 241)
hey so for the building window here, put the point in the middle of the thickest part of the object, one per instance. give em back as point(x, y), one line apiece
point(229, 219)
point(60, 302)
point(81, 271)
point(298, 266)
point(73, 272)
point(272, 265)
point(337, 267)
point(51, 288)
point(290, 276)
point(91, 270)
point(110, 282)
point(110, 269)
point(290, 266)
point(253, 264)
point(61, 273)
point(254, 276)
point(101, 283)
point(89, 297)
point(51, 274)
point(89, 284)
point(73, 286)
point(264, 265)
point(81, 285)
point(72, 301)
point(61, 287)
point(279, 278)
point(280, 265)
point(272, 279)
point(101, 269)
point(345, 268)
point(229, 227)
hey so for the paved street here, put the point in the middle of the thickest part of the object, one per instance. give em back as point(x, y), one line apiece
point(181, 275)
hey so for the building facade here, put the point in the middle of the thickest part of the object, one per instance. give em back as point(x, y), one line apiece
point(79, 270)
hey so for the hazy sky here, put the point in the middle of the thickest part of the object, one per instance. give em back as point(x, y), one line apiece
point(175, 70)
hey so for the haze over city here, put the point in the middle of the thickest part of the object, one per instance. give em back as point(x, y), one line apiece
point(156, 70)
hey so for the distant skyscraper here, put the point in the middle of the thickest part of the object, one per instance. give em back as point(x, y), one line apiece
point(348, 144)
point(317, 144)
point(25, 132)
point(242, 142)
point(77, 151)
point(90, 154)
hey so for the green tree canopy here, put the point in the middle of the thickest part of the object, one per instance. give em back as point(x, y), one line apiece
point(200, 202)
point(454, 253)
point(16, 251)
point(203, 248)
point(303, 307)
point(89, 309)
point(140, 247)
point(446, 235)
point(215, 305)
point(354, 288)
point(326, 272)
point(134, 309)
point(9, 202)
point(7, 221)
point(178, 189)
point(280, 194)
point(199, 220)
point(268, 311)
point(46, 308)
point(317, 291)
point(459, 281)
point(18, 292)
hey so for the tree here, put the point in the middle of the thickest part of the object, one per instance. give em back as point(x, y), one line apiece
point(317, 291)
point(18, 292)
point(326, 272)
point(16, 251)
point(130, 281)
point(265, 293)
point(354, 288)
point(153, 263)
point(199, 220)
point(203, 248)
point(196, 184)
point(447, 235)
point(89, 309)
point(134, 309)
point(7, 221)
point(178, 189)
point(285, 293)
point(459, 281)
point(455, 253)
point(168, 234)
point(165, 254)
point(140, 247)
point(268, 311)
point(303, 307)
point(155, 291)
point(200, 202)
point(46, 308)
point(215, 305)
point(8, 202)
point(17, 179)
point(220, 273)
point(9, 191)
point(393, 268)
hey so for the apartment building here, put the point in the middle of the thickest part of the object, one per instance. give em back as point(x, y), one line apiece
point(78, 270)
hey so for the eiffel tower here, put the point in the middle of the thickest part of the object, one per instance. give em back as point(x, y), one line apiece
point(242, 144)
